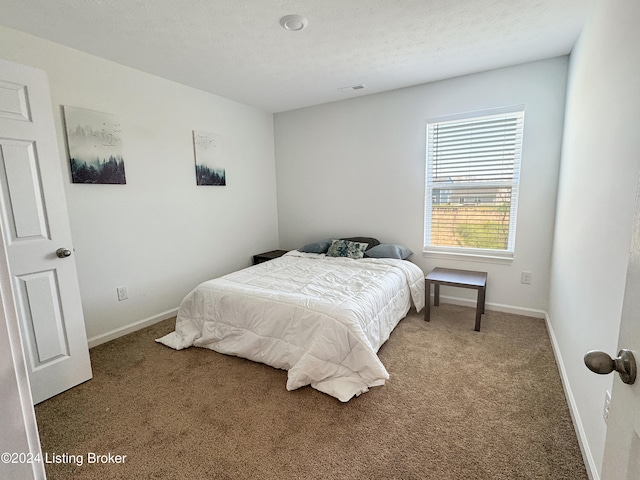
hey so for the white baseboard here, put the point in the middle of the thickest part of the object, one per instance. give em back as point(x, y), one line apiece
point(498, 307)
point(139, 325)
point(587, 457)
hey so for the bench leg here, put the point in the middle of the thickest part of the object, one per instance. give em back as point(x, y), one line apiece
point(479, 308)
point(436, 294)
point(427, 301)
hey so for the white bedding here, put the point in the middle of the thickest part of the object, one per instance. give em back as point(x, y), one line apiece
point(321, 318)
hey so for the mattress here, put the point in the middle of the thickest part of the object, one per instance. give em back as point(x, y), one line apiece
point(321, 318)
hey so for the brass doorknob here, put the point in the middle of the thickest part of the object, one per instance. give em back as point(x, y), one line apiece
point(63, 252)
point(602, 363)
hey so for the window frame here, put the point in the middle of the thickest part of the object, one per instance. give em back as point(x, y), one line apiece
point(470, 253)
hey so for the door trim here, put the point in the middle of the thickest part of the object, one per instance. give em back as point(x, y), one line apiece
point(10, 323)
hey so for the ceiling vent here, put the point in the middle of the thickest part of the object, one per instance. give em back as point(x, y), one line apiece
point(352, 88)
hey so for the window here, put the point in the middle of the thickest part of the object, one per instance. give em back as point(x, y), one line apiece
point(473, 172)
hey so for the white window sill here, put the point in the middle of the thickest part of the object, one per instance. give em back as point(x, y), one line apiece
point(470, 255)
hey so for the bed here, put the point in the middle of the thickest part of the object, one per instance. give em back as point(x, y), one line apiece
point(321, 318)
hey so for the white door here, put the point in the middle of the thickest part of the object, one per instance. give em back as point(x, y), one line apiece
point(622, 447)
point(35, 225)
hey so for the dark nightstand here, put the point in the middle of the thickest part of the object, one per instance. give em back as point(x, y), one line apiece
point(265, 257)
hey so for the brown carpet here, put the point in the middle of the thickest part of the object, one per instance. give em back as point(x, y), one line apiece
point(459, 405)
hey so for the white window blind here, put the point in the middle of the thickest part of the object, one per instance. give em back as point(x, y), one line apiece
point(473, 173)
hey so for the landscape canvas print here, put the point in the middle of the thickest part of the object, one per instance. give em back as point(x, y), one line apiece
point(208, 155)
point(95, 146)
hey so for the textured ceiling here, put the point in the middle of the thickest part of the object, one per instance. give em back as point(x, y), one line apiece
point(237, 49)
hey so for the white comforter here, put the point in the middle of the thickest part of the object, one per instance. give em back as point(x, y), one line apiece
point(321, 318)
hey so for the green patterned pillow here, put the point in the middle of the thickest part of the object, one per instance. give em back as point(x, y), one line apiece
point(345, 248)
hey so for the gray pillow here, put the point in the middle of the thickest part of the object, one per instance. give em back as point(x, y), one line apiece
point(389, 250)
point(345, 248)
point(316, 247)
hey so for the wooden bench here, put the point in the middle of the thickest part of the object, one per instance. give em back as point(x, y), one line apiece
point(455, 278)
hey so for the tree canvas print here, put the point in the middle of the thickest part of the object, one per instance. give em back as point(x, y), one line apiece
point(208, 155)
point(95, 146)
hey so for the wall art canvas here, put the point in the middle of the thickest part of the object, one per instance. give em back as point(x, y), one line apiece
point(208, 154)
point(95, 146)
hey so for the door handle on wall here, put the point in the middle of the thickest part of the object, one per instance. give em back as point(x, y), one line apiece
point(602, 363)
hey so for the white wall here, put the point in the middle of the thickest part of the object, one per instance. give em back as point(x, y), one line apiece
point(160, 234)
point(356, 167)
point(598, 179)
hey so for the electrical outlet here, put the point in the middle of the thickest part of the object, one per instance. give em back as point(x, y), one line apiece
point(122, 293)
point(607, 403)
point(525, 278)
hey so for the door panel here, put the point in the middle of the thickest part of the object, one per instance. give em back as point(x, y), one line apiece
point(13, 101)
point(23, 204)
point(35, 223)
point(45, 334)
